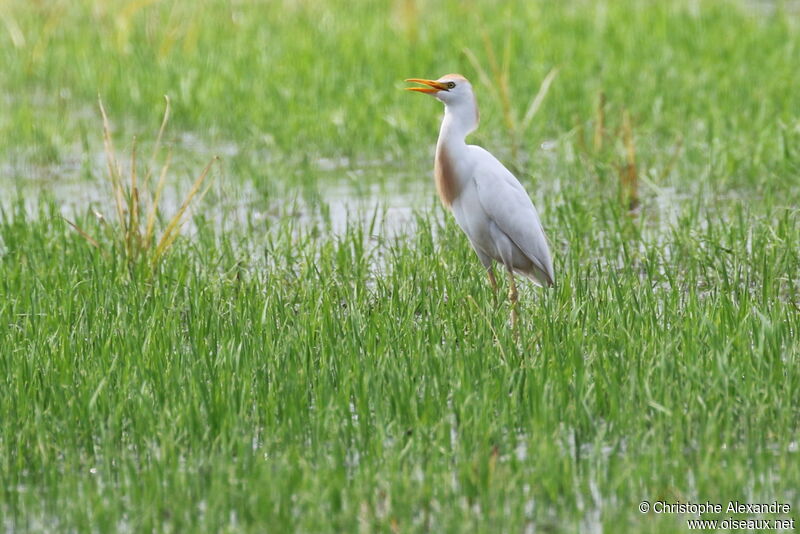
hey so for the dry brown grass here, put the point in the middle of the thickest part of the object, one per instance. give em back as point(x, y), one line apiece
point(138, 204)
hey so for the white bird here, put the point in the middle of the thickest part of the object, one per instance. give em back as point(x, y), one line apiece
point(488, 202)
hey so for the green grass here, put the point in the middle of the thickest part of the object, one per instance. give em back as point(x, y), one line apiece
point(274, 375)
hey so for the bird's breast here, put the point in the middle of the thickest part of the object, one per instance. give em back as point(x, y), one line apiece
point(444, 170)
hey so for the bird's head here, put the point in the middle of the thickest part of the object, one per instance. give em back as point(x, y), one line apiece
point(450, 88)
point(456, 93)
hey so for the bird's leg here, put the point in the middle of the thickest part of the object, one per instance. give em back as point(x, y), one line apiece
point(512, 296)
point(492, 279)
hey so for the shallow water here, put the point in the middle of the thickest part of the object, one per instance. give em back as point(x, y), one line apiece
point(335, 200)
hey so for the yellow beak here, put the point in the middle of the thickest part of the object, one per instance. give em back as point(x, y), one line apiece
point(433, 86)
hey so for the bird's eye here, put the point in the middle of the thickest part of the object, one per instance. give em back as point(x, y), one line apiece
point(451, 85)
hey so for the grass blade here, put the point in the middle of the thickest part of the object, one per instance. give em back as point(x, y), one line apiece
point(173, 227)
point(482, 74)
point(536, 103)
point(151, 216)
point(113, 168)
point(157, 145)
point(89, 239)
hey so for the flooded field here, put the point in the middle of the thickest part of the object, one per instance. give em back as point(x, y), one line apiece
point(304, 341)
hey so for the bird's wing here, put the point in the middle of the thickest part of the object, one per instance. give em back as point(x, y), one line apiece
point(507, 203)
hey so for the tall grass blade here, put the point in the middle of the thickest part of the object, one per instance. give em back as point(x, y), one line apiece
point(157, 145)
point(536, 103)
point(173, 227)
point(133, 207)
point(89, 239)
point(113, 168)
point(483, 76)
point(151, 216)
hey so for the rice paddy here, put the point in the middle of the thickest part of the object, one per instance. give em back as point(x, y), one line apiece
point(318, 349)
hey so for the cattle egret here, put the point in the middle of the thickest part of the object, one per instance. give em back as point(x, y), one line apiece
point(487, 201)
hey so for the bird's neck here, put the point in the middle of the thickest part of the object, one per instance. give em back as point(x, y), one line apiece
point(451, 153)
point(459, 121)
